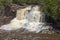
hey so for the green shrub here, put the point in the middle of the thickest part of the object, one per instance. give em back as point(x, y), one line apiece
point(50, 8)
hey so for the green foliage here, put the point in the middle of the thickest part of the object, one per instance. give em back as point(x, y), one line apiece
point(19, 1)
point(50, 8)
point(25, 1)
point(8, 2)
point(1, 2)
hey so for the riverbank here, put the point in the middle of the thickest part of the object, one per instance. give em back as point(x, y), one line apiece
point(21, 35)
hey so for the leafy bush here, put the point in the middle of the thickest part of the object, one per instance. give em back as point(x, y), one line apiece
point(50, 7)
point(6, 2)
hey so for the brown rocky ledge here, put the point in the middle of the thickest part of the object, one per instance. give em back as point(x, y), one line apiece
point(23, 35)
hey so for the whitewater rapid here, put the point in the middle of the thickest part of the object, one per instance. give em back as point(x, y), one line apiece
point(29, 18)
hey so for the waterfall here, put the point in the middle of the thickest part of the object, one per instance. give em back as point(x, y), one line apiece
point(21, 13)
point(29, 18)
point(36, 20)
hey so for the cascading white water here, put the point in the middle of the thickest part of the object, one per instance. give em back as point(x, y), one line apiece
point(36, 20)
point(32, 20)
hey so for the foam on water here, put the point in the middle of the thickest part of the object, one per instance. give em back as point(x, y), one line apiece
point(31, 21)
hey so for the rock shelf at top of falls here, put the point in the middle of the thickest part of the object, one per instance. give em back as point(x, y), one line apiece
point(29, 18)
